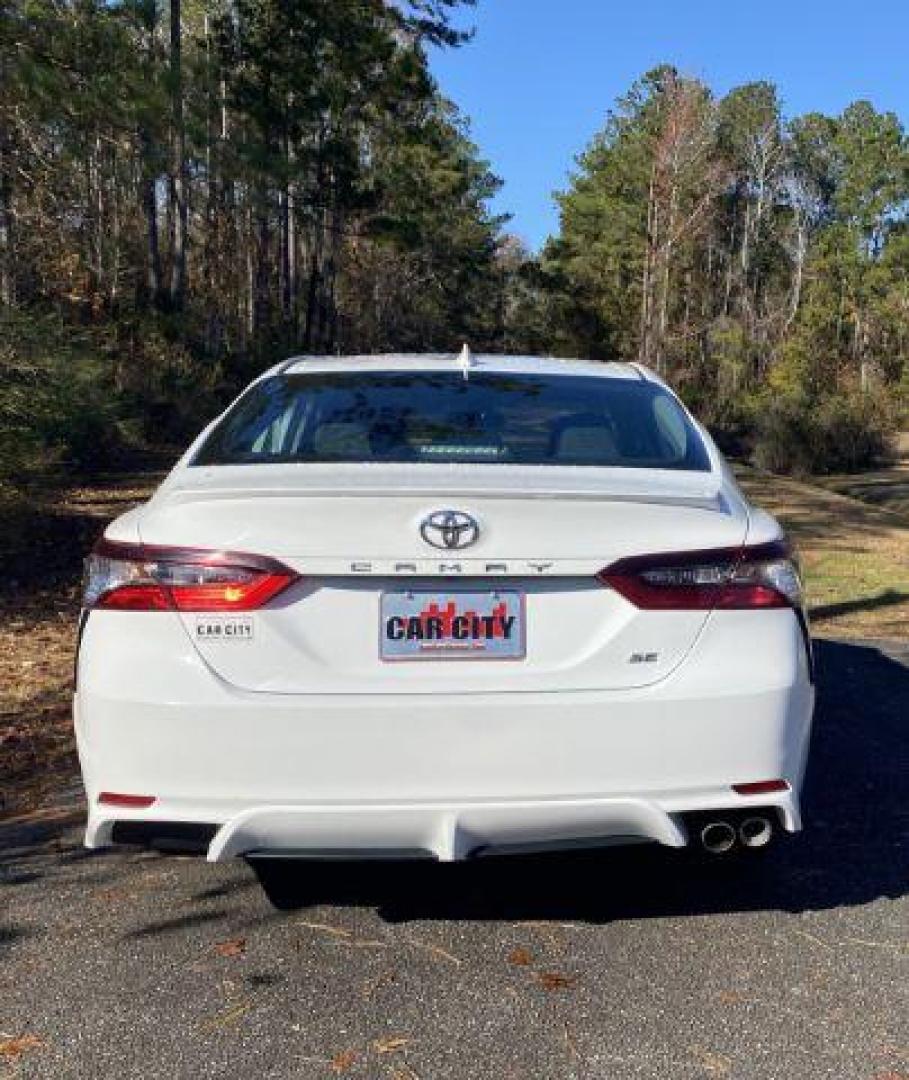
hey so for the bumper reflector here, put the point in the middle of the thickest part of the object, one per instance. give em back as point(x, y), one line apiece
point(761, 787)
point(114, 798)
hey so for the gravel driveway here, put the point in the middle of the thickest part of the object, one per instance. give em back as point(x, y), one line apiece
point(631, 963)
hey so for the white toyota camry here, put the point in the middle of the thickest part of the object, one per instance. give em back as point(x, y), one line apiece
point(443, 605)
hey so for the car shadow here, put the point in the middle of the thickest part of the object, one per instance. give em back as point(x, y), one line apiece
point(855, 847)
point(890, 598)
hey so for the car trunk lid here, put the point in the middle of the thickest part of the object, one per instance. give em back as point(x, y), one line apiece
point(353, 534)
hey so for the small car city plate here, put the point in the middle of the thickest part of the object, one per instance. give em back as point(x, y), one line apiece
point(451, 625)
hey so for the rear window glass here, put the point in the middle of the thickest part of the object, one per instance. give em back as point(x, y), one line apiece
point(489, 418)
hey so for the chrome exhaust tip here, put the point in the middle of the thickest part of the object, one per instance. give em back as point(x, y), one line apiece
point(718, 837)
point(756, 832)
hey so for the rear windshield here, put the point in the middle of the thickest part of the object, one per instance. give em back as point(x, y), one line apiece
point(488, 418)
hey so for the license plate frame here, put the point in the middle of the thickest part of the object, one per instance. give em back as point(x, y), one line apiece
point(509, 643)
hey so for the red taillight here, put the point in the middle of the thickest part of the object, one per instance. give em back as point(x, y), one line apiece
point(137, 577)
point(134, 598)
point(760, 787)
point(115, 798)
point(759, 576)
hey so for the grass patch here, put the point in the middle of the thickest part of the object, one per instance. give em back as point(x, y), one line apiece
point(886, 488)
point(855, 556)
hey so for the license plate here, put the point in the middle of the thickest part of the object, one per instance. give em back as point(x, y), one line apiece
point(452, 625)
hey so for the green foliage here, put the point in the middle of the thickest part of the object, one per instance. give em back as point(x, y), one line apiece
point(331, 199)
point(834, 433)
point(762, 264)
point(58, 405)
point(334, 201)
point(424, 272)
point(92, 398)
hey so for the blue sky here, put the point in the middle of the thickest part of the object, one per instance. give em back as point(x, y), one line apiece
point(539, 76)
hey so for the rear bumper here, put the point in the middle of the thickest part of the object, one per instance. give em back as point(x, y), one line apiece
point(442, 775)
point(442, 831)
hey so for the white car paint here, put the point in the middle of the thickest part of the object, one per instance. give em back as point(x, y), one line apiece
point(284, 730)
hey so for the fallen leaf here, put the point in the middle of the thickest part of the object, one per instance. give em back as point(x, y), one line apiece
point(233, 947)
point(112, 895)
point(713, 1063)
point(552, 980)
point(897, 946)
point(520, 958)
point(570, 1044)
point(229, 1018)
point(347, 937)
point(14, 1046)
point(324, 928)
point(391, 1044)
point(814, 939)
point(370, 986)
point(436, 950)
point(343, 1060)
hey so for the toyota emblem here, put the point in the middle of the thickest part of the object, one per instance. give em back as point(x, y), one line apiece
point(449, 529)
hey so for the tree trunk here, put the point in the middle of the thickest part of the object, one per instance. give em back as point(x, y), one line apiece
point(647, 273)
point(250, 281)
point(745, 254)
point(730, 262)
point(99, 222)
point(284, 204)
point(89, 230)
point(801, 252)
point(149, 173)
point(178, 185)
point(211, 187)
point(292, 285)
point(330, 278)
point(665, 288)
point(150, 206)
point(288, 244)
point(320, 198)
point(114, 290)
point(7, 234)
point(262, 303)
point(312, 297)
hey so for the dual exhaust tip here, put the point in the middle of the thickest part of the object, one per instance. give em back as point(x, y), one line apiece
point(720, 837)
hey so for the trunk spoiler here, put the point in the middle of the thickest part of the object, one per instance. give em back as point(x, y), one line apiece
point(657, 486)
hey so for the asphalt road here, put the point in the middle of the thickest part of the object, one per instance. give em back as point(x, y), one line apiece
point(634, 963)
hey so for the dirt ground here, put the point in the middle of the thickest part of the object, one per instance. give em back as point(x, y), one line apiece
point(42, 544)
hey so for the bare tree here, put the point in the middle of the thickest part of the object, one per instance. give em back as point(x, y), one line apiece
point(683, 185)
